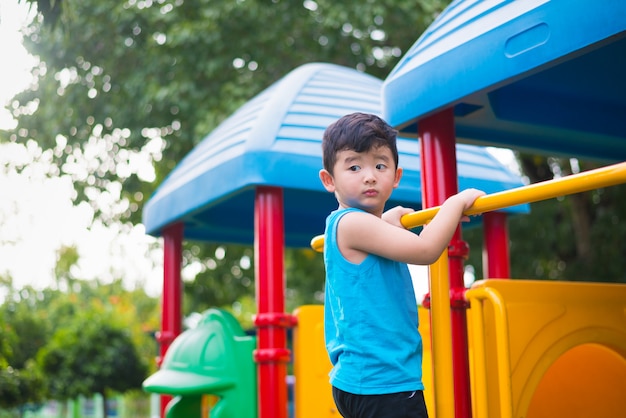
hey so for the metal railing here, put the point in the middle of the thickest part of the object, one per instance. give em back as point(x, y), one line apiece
point(575, 183)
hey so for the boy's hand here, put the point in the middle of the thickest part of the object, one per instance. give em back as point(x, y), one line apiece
point(393, 215)
point(467, 197)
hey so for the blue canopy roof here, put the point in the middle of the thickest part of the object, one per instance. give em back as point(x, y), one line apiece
point(275, 140)
point(538, 75)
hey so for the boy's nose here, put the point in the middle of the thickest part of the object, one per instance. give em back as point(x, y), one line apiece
point(368, 176)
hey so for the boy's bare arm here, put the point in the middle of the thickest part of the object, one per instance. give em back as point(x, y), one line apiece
point(362, 232)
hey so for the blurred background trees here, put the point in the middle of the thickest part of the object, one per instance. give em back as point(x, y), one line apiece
point(60, 345)
point(577, 237)
point(124, 90)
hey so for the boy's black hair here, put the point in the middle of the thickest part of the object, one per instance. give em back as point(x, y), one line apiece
point(359, 132)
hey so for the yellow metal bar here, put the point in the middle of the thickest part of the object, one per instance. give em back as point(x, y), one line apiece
point(575, 183)
point(479, 363)
point(441, 329)
point(502, 350)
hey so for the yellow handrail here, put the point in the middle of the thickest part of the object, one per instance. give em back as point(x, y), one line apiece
point(575, 183)
point(477, 336)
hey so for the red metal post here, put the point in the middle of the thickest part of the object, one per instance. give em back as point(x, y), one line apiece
point(171, 313)
point(496, 260)
point(440, 181)
point(271, 354)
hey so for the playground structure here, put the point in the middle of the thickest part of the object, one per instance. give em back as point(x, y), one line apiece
point(327, 92)
point(538, 75)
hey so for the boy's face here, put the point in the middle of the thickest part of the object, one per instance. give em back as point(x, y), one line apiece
point(363, 180)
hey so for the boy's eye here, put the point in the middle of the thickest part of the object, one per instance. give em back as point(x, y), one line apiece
point(380, 166)
point(354, 168)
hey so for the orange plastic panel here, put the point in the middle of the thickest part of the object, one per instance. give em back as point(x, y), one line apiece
point(586, 381)
point(542, 326)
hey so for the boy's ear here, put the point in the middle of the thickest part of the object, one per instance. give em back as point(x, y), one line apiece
point(399, 172)
point(327, 181)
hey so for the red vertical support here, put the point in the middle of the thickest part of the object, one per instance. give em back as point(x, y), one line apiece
point(440, 181)
point(171, 321)
point(496, 260)
point(271, 354)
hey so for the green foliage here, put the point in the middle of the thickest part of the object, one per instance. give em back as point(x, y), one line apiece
point(19, 387)
point(30, 332)
point(91, 356)
point(127, 81)
point(99, 337)
point(223, 274)
point(225, 278)
point(576, 237)
point(22, 333)
point(304, 269)
point(7, 339)
point(66, 258)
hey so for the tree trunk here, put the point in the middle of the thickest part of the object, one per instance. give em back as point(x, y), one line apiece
point(104, 405)
point(582, 225)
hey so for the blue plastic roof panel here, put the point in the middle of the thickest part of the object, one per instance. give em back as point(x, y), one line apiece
point(275, 140)
point(535, 75)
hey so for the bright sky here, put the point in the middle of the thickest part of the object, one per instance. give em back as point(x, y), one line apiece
point(16, 63)
point(37, 216)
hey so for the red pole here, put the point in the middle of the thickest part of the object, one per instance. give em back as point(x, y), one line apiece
point(271, 354)
point(440, 181)
point(171, 322)
point(496, 260)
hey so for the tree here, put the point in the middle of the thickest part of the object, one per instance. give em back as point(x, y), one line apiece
point(223, 274)
point(91, 356)
point(577, 237)
point(224, 277)
point(22, 333)
point(20, 389)
point(8, 381)
point(109, 326)
point(125, 89)
point(304, 270)
point(127, 82)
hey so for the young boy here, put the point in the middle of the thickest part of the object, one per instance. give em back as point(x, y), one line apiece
point(370, 312)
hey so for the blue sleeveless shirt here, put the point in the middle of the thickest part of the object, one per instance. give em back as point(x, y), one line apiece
point(370, 321)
